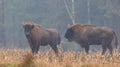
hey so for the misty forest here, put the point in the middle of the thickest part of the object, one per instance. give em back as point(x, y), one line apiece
point(54, 14)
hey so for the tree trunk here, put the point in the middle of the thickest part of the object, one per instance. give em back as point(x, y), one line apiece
point(2, 28)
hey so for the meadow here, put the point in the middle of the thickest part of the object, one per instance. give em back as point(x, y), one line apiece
point(23, 58)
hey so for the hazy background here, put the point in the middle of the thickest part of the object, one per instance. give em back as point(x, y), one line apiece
point(52, 13)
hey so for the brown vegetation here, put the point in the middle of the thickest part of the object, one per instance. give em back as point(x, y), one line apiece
point(23, 58)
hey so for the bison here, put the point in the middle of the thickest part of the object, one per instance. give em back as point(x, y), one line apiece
point(86, 35)
point(40, 36)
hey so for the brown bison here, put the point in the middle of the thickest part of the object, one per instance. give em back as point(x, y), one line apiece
point(38, 35)
point(86, 35)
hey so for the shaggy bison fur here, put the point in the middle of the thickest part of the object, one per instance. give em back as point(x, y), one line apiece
point(87, 35)
point(40, 36)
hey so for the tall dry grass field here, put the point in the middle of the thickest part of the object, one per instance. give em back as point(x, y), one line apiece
point(23, 58)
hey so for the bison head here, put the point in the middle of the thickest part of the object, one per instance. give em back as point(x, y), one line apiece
point(72, 32)
point(69, 34)
point(27, 28)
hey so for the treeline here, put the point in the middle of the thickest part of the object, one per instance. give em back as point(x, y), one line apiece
point(52, 13)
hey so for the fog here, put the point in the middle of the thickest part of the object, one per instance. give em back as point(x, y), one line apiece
point(53, 14)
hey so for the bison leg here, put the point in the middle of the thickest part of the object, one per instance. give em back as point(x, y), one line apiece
point(104, 49)
point(32, 47)
point(36, 48)
point(86, 49)
point(110, 48)
point(54, 47)
point(31, 43)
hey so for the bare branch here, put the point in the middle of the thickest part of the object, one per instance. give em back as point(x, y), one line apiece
point(88, 4)
point(68, 10)
point(71, 11)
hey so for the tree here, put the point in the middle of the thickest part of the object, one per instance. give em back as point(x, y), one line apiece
point(70, 10)
point(2, 29)
point(88, 6)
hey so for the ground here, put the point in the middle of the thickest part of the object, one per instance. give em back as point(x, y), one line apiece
point(23, 58)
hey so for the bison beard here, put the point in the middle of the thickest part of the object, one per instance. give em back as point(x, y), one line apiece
point(86, 35)
point(37, 35)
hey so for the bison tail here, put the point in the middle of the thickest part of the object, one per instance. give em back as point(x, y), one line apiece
point(59, 40)
point(116, 40)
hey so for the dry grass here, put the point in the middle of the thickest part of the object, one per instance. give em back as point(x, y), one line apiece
point(23, 58)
